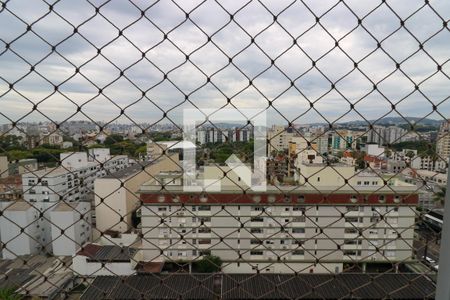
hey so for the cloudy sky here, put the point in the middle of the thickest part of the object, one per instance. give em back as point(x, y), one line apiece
point(164, 56)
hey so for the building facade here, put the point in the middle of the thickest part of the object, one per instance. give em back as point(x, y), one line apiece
point(443, 140)
point(278, 138)
point(72, 181)
point(284, 229)
point(115, 195)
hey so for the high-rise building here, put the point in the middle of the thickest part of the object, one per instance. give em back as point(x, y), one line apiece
point(443, 140)
point(278, 138)
point(386, 135)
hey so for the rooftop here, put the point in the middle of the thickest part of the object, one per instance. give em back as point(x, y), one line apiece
point(262, 286)
point(172, 145)
point(18, 206)
point(109, 253)
point(148, 188)
point(127, 172)
point(66, 206)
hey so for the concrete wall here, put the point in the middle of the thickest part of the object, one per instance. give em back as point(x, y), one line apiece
point(82, 267)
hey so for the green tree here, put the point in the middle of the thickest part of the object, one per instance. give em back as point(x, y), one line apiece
point(18, 154)
point(46, 155)
point(410, 154)
point(9, 294)
point(208, 264)
point(113, 138)
point(11, 142)
point(439, 196)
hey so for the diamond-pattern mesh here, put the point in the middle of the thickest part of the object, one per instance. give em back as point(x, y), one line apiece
point(333, 77)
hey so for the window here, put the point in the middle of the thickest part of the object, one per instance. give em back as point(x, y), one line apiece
point(352, 242)
point(298, 230)
point(353, 219)
point(375, 218)
point(352, 208)
point(352, 252)
point(257, 219)
point(255, 242)
point(256, 230)
point(298, 219)
point(256, 252)
point(204, 230)
point(204, 208)
point(298, 252)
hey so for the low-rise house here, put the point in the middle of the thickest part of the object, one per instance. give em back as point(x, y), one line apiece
point(98, 260)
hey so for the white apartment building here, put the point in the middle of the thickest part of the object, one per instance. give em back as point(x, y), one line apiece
point(322, 144)
point(99, 155)
point(70, 227)
point(285, 229)
point(18, 215)
point(42, 223)
point(386, 135)
point(278, 138)
point(115, 195)
point(72, 181)
point(443, 140)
